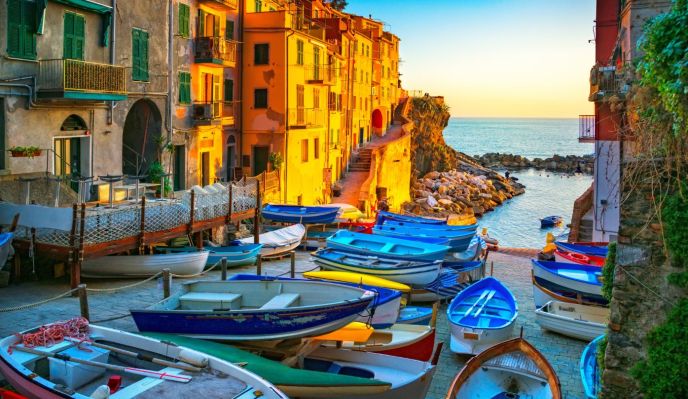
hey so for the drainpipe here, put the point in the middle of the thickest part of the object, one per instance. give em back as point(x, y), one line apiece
point(170, 68)
point(286, 112)
point(241, 86)
point(113, 42)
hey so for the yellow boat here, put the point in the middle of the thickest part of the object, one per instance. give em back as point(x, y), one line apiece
point(354, 331)
point(357, 278)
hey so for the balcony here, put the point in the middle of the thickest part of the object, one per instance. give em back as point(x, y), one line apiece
point(305, 118)
point(586, 128)
point(81, 80)
point(216, 51)
point(221, 5)
point(606, 81)
point(320, 74)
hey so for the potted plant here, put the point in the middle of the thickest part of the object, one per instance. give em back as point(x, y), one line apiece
point(276, 160)
point(25, 152)
point(336, 189)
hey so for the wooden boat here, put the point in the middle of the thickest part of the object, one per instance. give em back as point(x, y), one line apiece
point(551, 221)
point(383, 215)
point(480, 316)
point(300, 214)
point(382, 312)
point(457, 241)
point(574, 257)
point(432, 227)
point(386, 247)
point(590, 370)
point(415, 315)
point(573, 320)
point(510, 369)
point(278, 242)
point(135, 266)
point(544, 291)
point(585, 248)
point(416, 237)
point(581, 278)
point(347, 213)
point(453, 278)
point(356, 278)
point(401, 271)
point(236, 255)
point(402, 340)
point(93, 359)
point(255, 310)
point(292, 381)
point(5, 247)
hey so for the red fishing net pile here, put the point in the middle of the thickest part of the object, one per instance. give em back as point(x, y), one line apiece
point(55, 333)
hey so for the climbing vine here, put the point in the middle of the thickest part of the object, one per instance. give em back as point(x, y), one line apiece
point(608, 272)
point(675, 220)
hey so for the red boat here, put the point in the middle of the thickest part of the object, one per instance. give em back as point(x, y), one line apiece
point(574, 257)
point(5, 394)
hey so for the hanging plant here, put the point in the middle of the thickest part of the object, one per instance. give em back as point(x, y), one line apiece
point(25, 152)
point(276, 160)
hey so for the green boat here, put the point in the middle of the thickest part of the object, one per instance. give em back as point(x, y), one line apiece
point(294, 382)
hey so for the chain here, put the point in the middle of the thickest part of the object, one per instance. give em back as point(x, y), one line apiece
point(32, 305)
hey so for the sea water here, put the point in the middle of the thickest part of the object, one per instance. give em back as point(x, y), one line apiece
point(516, 223)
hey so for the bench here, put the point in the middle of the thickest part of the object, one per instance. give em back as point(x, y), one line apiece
point(209, 300)
point(281, 301)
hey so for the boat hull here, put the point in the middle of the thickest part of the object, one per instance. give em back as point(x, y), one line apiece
point(472, 341)
point(418, 275)
point(589, 369)
point(572, 320)
point(277, 243)
point(544, 291)
point(386, 247)
point(300, 214)
point(134, 266)
point(383, 215)
point(573, 257)
point(569, 278)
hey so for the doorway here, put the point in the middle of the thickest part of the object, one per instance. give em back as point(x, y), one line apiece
point(179, 180)
point(260, 159)
point(141, 139)
point(231, 162)
point(361, 136)
point(205, 168)
point(71, 158)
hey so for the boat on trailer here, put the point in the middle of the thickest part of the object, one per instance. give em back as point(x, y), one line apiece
point(573, 320)
point(508, 370)
point(135, 266)
point(385, 247)
point(278, 242)
point(300, 214)
point(83, 361)
point(590, 370)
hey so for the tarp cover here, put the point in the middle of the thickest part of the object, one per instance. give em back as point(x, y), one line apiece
point(281, 237)
point(37, 216)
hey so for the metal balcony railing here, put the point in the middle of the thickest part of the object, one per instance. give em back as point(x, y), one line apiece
point(586, 128)
point(321, 74)
point(207, 111)
point(308, 26)
point(76, 75)
point(606, 81)
point(306, 117)
point(233, 4)
point(215, 48)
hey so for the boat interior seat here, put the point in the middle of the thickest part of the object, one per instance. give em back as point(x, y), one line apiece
point(27, 359)
point(281, 301)
point(483, 322)
point(142, 385)
point(209, 300)
point(516, 362)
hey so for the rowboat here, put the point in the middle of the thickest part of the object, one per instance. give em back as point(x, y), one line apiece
point(510, 369)
point(473, 252)
point(401, 271)
point(236, 255)
point(573, 320)
point(426, 226)
point(255, 310)
point(384, 215)
point(457, 240)
point(575, 257)
point(402, 340)
point(480, 316)
point(5, 247)
point(453, 278)
point(550, 221)
point(382, 312)
point(585, 279)
point(415, 315)
point(386, 247)
point(416, 237)
point(585, 248)
point(294, 382)
point(279, 242)
point(356, 278)
point(300, 214)
point(93, 360)
point(134, 266)
point(590, 370)
point(544, 291)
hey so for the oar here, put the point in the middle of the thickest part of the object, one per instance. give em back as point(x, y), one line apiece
point(129, 370)
point(476, 302)
point(140, 356)
point(477, 312)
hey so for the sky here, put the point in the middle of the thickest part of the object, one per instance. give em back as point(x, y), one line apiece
point(494, 58)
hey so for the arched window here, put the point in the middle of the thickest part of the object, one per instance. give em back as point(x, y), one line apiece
point(73, 122)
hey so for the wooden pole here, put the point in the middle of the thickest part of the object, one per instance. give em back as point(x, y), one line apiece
point(292, 263)
point(229, 205)
point(224, 269)
point(142, 227)
point(435, 309)
point(83, 301)
point(191, 217)
point(259, 265)
point(491, 268)
point(73, 248)
point(166, 283)
point(256, 217)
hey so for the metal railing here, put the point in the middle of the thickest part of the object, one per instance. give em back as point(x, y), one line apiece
point(323, 74)
point(215, 48)
point(64, 74)
point(308, 26)
point(233, 4)
point(306, 117)
point(586, 127)
point(207, 110)
point(606, 81)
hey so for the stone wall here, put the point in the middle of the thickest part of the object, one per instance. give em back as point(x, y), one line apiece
point(555, 163)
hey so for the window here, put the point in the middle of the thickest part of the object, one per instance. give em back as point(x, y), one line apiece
point(354, 105)
point(299, 52)
point(21, 28)
point(367, 77)
point(304, 150)
point(184, 13)
point(184, 88)
point(73, 39)
point(259, 6)
point(316, 98)
point(316, 63)
point(229, 90)
point(261, 54)
point(367, 51)
point(260, 98)
point(139, 53)
point(229, 30)
point(355, 73)
point(316, 148)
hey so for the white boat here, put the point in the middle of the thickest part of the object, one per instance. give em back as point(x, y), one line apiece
point(574, 320)
point(410, 379)
point(134, 266)
point(278, 242)
point(83, 366)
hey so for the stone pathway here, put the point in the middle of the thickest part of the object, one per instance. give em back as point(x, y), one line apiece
point(514, 271)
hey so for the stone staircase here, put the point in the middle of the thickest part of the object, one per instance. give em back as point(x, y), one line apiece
point(362, 162)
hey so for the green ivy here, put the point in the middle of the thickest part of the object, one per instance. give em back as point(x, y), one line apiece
point(601, 349)
point(675, 220)
point(664, 374)
point(608, 272)
point(156, 173)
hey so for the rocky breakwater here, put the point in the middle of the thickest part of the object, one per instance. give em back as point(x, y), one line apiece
point(556, 163)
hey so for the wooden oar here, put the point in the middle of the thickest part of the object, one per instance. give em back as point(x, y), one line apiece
point(129, 370)
point(140, 356)
point(476, 302)
point(477, 312)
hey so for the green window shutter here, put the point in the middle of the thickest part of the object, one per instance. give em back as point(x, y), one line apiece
point(183, 20)
point(216, 26)
point(30, 25)
point(144, 55)
point(68, 40)
point(201, 24)
point(14, 28)
point(229, 30)
point(184, 88)
point(229, 90)
point(135, 55)
point(299, 52)
point(79, 33)
point(74, 31)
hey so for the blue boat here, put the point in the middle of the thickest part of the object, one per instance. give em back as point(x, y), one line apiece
point(417, 315)
point(255, 310)
point(383, 215)
point(425, 226)
point(589, 369)
point(416, 237)
point(236, 255)
point(597, 249)
point(5, 247)
point(550, 221)
point(545, 291)
point(300, 214)
point(386, 303)
point(457, 240)
point(585, 279)
point(386, 247)
point(481, 315)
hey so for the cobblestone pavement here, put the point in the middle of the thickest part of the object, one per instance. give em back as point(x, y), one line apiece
point(107, 308)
